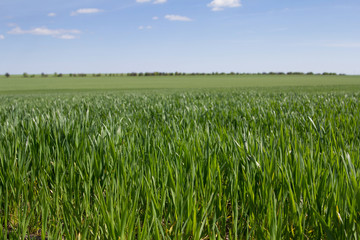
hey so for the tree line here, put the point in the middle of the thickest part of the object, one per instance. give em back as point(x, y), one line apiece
point(135, 74)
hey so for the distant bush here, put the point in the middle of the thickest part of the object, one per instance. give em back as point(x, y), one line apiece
point(295, 73)
point(77, 75)
point(25, 75)
point(7, 75)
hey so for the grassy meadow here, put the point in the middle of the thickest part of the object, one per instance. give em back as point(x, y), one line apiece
point(188, 157)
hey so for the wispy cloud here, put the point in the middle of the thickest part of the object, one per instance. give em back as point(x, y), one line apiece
point(86, 11)
point(159, 1)
point(155, 18)
point(52, 14)
point(153, 1)
point(145, 27)
point(2, 37)
point(219, 5)
point(178, 18)
point(43, 31)
point(66, 37)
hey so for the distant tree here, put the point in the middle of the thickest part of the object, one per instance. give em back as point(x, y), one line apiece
point(7, 75)
point(25, 75)
point(295, 73)
point(59, 75)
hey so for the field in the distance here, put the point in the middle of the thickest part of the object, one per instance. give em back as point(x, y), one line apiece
point(250, 157)
point(19, 84)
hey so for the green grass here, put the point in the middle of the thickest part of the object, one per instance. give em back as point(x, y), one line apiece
point(244, 163)
point(38, 84)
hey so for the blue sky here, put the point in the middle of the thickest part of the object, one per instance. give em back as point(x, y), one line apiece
point(179, 35)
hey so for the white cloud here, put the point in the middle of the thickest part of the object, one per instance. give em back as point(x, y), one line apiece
point(142, 1)
point(43, 31)
point(67, 37)
point(178, 18)
point(86, 11)
point(51, 14)
point(144, 27)
point(219, 5)
point(2, 37)
point(159, 1)
point(155, 18)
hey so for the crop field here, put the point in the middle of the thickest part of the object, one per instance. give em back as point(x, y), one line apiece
point(187, 163)
point(38, 84)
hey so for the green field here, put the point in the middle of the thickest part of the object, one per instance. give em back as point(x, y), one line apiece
point(19, 84)
point(217, 157)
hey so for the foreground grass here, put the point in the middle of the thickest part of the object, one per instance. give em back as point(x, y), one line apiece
point(185, 165)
